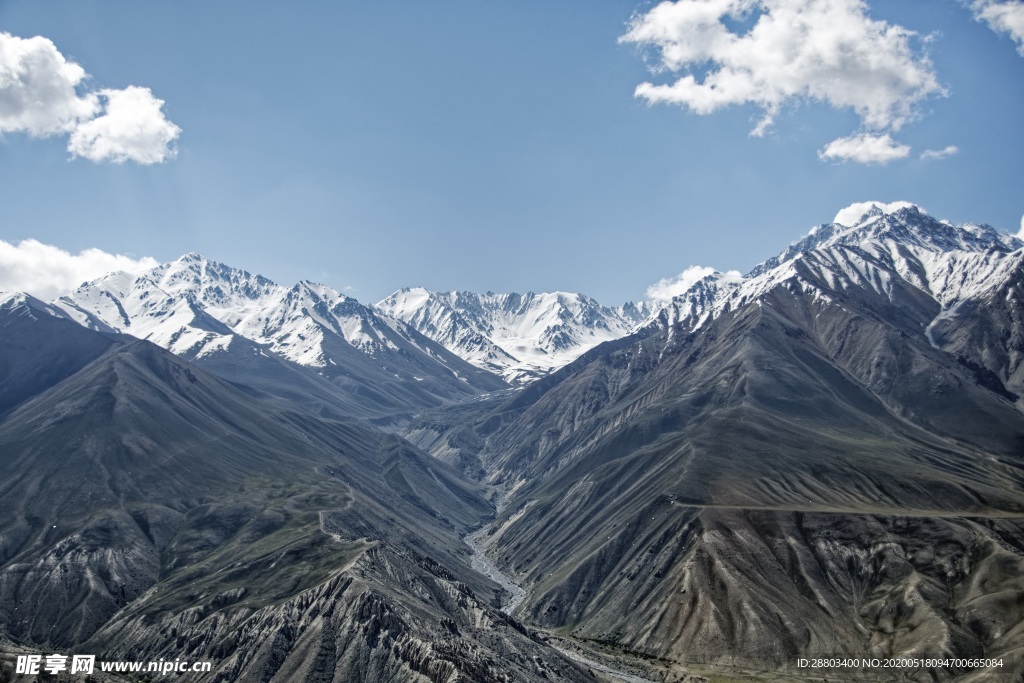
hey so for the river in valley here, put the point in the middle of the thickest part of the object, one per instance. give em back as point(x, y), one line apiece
point(482, 564)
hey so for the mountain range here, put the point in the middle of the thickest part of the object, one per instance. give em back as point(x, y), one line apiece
point(822, 457)
point(418, 348)
point(154, 510)
point(520, 337)
point(304, 340)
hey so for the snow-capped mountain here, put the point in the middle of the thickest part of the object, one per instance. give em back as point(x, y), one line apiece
point(199, 308)
point(952, 264)
point(520, 336)
point(774, 422)
point(831, 443)
point(24, 304)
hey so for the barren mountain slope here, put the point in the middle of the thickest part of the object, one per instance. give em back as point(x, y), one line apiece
point(150, 509)
point(795, 470)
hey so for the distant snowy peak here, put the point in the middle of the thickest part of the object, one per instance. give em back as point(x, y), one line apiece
point(880, 244)
point(636, 312)
point(437, 317)
point(212, 282)
point(11, 300)
point(906, 225)
point(858, 212)
point(196, 307)
point(521, 336)
point(171, 305)
point(950, 262)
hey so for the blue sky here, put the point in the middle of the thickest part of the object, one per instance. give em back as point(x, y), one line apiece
point(494, 145)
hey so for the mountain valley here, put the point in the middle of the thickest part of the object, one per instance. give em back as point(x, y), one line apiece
point(154, 510)
point(822, 458)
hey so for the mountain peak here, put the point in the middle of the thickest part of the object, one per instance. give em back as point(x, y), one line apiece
point(867, 245)
point(201, 309)
point(900, 223)
point(521, 336)
point(26, 303)
point(12, 299)
point(912, 226)
point(191, 257)
point(858, 212)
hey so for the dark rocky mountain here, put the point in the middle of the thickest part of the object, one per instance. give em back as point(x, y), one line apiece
point(986, 332)
point(150, 509)
point(826, 456)
point(39, 349)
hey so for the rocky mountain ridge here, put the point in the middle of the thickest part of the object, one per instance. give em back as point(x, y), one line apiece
point(519, 336)
point(230, 320)
point(952, 264)
point(821, 457)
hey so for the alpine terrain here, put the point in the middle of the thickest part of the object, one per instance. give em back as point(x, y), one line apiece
point(825, 457)
point(821, 459)
point(302, 341)
point(520, 337)
point(151, 510)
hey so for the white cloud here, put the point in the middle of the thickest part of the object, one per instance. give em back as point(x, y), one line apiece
point(930, 154)
point(39, 96)
point(865, 148)
point(665, 289)
point(1020, 234)
point(824, 50)
point(668, 287)
point(132, 128)
point(1004, 16)
point(852, 214)
point(46, 271)
point(38, 86)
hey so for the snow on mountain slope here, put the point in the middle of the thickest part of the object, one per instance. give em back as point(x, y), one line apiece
point(434, 316)
point(196, 307)
point(24, 303)
point(521, 336)
point(950, 263)
point(167, 304)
